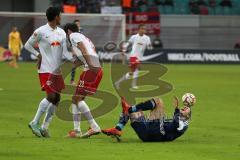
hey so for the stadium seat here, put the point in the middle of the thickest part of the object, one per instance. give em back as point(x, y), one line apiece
point(182, 9)
point(143, 8)
point(218, 2)
point(236, 7)
point(236, 10)
point(152, 9)
point(227, 11)
point(219, 10)
point(204, 10)
point(161, 9)
point(211, 11)
point(151, 3)
point(168, 9)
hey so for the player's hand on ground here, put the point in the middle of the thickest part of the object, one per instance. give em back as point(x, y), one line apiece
point(175, 102)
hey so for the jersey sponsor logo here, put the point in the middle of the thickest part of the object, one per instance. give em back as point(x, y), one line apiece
point(109, 56)
point(56, 43)
point(81, 84)
point(149, 57)
point(141, 44)
point(49, 83)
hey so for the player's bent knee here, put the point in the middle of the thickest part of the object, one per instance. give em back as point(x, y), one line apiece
point(54, 98)
point(57, 99)
point(76, 99)
point(135, 116)
point(50, 98)
point(158, 102)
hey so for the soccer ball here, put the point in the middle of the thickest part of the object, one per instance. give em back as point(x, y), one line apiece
point(188, 99)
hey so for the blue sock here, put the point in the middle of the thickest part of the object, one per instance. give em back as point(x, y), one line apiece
point(148, 105)
point(123, 119)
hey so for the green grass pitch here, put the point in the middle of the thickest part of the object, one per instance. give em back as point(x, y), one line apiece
point(214, 132)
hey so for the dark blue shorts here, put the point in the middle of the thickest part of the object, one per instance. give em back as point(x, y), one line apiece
point(147, 131)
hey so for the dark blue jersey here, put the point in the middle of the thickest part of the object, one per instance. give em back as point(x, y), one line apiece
point(160, 130)
point(175, 127)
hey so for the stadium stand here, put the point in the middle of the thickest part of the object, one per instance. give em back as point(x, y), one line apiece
point(182, 7)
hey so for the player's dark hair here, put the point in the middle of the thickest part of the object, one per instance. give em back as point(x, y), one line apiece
point(141, 25)
point(76, 20)
point(71, 26)
point(52, 13)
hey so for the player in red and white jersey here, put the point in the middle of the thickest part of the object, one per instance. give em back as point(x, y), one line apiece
point(89, 79)
point(52, 45)
point(140, 42)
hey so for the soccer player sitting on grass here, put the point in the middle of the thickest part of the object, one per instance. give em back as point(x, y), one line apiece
point(155, 128)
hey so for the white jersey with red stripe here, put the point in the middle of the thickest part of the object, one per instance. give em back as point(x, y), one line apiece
point(139, 45)
point(76, 38)
point(52, 46)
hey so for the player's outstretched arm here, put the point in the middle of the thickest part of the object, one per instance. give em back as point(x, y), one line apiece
point(177, 111)
point(175, 102)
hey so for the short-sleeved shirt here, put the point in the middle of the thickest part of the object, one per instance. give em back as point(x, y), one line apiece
point(52, 46)
point(139, 45)
point(76, 38)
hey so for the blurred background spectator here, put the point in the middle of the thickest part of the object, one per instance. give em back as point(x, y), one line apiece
point(202, 3)
point(159, 2)
point(203, 7)
point(169, 3)
point(226, 3)
point(212, 3)
point(194, 7)
point(126, 5)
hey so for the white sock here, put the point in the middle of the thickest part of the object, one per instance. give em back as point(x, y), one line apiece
point(41, 110)
point(123, 78)
point(48, 117)
point(86, 111)
point(127, 76)
point(135, 76)
point(76, 117)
